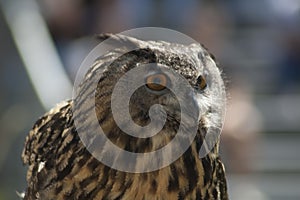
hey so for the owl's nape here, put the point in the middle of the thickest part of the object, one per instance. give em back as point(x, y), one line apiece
point(61, 166)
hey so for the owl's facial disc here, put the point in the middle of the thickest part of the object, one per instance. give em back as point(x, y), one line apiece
point(157, 89)
point(154, 91)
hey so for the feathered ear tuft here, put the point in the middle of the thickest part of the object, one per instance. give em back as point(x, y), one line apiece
point(119, 39)
point(103, 36)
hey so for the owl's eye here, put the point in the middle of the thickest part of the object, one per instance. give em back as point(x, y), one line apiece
point(157, 82)
point(201, 83)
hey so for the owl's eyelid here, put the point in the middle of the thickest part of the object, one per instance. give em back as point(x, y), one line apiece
point(154, 72)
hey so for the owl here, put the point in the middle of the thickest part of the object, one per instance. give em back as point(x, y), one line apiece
point(62, 166)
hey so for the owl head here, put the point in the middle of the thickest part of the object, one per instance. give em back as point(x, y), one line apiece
point(143, 93)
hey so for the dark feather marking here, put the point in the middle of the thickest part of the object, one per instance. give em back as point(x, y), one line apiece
point(181, 196)
point(173, 180)
point(153, 186)
point(208, 170)
point(62, 174)
point(192, 173)
point(198, 194)
point(215, 193)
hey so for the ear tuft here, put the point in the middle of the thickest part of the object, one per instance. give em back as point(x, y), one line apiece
point(103, 36)
point(118, 39)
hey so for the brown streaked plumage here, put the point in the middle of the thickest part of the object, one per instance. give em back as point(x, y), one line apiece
point(61, 168)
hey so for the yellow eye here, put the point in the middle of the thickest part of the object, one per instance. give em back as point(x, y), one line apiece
point(201, 83)
point(157, 82)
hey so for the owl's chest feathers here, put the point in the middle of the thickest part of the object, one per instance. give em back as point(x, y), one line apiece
point(188, 177)
point(184, 178)
point(79, 175)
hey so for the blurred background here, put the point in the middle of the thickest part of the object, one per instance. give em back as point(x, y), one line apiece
point(257, 43)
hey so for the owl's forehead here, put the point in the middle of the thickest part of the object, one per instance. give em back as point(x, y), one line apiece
point(189, 61)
